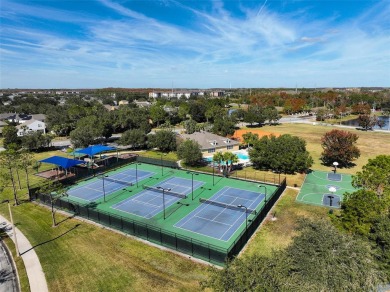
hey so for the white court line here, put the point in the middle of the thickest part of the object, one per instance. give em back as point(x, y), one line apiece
point(201, 234)
point(188, 190)
point(145, 203)
point(232, 226)
point(207, 219)
point(202, 207)
point(100, 193)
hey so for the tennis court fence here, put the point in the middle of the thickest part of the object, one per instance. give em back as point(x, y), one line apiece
point(174, 241)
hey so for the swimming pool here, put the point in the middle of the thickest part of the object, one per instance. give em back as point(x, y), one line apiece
point(243, 156)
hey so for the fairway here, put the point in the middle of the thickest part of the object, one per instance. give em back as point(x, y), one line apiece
point(325, 188)
point(204, 215)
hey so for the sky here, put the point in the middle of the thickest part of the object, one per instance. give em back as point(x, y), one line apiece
point(194, 44)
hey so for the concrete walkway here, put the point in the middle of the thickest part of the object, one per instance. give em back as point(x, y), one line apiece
point(35, 274)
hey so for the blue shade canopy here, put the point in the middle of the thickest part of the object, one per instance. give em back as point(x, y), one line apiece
point(95, 149)
point(62, 161)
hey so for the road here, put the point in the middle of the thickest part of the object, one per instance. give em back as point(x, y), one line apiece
point(8, 279)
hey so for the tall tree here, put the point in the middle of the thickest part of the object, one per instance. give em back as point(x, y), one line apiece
point(250, 138)
point(327, 259)
point(367, 122)
point(271, 114)
point(359, 210)
point(380, 238)
point(190, 126)
point(136, 138)
point(10, 136)
point(223, 125)
point(56, 191)
point(88, 130)
point(339, 146)
point(286, 154)
point(375, 176)
point(319, 258)
point(7, 161)
point(218, 158)
point(25, 162)
point(165, 140)
point(157, 114)
point(229, 157)
point(36, 140)
point(190, 152)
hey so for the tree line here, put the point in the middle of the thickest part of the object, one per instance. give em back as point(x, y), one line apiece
point(349, 252)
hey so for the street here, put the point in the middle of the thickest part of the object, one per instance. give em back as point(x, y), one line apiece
point(8, 280)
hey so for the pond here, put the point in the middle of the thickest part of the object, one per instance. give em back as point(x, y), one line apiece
point(355, 123)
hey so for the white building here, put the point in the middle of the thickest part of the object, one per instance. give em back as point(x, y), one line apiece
point(31, 126)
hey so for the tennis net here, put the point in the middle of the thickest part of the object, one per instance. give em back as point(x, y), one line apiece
point(125, 183)
point(228, 206)
point(160, 190)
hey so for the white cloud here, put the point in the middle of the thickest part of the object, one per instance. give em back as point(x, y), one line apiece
point(264, 49)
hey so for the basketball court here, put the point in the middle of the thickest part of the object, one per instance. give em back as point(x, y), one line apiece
point(325, 188)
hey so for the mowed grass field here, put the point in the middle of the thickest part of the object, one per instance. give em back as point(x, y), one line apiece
point(80, 256)
point(370, 143)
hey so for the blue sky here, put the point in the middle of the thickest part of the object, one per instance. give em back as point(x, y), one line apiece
point(194, 44)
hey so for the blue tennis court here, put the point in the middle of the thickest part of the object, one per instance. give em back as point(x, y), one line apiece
point(222, 222)
point(108, 184)
point(149, 202)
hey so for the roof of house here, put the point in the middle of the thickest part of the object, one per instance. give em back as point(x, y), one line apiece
point(5, 116)
point(209, 140)
point(38, 117)
point(29, 122)
point(2, 123)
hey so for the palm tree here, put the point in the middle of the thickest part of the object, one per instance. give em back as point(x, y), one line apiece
point(229, 156)
point(218, 157)
point(233, 159)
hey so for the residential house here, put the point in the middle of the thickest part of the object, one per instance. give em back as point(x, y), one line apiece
point(123, 102)
point(110, 107)
point(31, 126)
point(217, 93)
point(142, 103)
point(211, 143)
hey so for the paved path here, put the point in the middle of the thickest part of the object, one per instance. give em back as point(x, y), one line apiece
point(8, 277)
point(35, 274)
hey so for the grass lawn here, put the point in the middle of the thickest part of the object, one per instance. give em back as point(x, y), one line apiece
point(274, 235)
point(78, 256)
point(370, 143)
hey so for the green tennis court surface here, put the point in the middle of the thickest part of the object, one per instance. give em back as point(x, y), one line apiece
point(210, 217)
point(325, 188)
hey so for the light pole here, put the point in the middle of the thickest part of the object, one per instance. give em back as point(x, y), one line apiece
point(163, 192)
point(13, 226)
point(331, 197)
point(213, 171)
point(335, 164)
point(162, 166)
point(265, 198)
point(246, 218)
point(136, 172)
point(192, 183)
point(104, 189)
